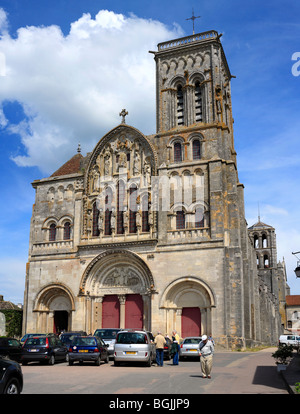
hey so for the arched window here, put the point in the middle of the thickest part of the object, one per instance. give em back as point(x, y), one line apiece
point(177, 152)
point(266, 261)
point(256, 242)
point(95, 220)
point(108, 209)
point(199, 218)
point(180, 106)
point(67, 230)
point(120, 207)
point(180, 220)
point(132, 209)
point(264, 241)
point(52, 232)
point(145, 213)
point(196, 149)
point(198, 102)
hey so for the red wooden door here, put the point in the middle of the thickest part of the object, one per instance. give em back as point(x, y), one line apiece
point(190, 322)
point(134, 310)
point(111, 312)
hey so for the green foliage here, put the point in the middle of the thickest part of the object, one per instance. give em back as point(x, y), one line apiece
point(297, 387)
point(13, 319)
point(283, 354)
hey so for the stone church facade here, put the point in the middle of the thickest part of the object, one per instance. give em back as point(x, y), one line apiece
point(150, 231)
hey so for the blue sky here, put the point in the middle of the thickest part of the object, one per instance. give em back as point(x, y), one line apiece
point(67, 68)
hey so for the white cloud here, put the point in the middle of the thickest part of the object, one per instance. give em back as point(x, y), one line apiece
point(73, 87)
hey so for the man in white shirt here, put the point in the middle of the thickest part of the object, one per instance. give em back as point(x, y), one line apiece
point(206, 351)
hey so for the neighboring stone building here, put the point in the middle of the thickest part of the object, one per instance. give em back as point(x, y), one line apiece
point(150, 231)
point(293, 314)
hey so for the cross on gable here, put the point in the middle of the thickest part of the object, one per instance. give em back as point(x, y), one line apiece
point(123, 113)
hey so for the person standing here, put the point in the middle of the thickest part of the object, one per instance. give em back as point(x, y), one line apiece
point(159, 344)
point(206, 351)
point(175, 351)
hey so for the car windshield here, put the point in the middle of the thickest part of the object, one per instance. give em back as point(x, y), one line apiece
point(67, 338)
point(107, 333)
point(131, 338)
point(35, 341)
point(82, 341)
point(192, 341)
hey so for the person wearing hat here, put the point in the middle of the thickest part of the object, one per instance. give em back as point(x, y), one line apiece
point(206, 351)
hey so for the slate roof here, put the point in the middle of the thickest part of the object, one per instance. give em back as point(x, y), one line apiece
point(260, 225)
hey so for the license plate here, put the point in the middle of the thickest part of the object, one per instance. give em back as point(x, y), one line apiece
point(130, 353)
point(33, 350)
point(193, 350)
point(83, 350)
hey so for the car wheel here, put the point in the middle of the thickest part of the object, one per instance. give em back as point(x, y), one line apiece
point(12, 387)
point(51, 360)
point(71, 362)
point(116, 363)
point(98, 361)
point(107, 359)
point(148, 363)
point(67, 357)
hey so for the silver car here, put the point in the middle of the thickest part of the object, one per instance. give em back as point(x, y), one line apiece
point(134, 346)
point(108, 335)
point(190, 347)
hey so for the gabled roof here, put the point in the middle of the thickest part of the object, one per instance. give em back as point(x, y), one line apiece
point(260, 225)
point(70, 167)
point(292, 300)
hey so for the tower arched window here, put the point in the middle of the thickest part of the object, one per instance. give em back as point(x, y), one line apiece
point(198, 103)
point(266, 261)
point(196, 149)
point(52, 232)
point(177, 152)
point(264, 241)
point(180, 220)
point(180, 106)
point(67, 230)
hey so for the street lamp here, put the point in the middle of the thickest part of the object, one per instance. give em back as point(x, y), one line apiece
point(297, 270)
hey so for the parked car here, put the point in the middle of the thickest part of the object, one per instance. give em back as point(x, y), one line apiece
point(108, 335)
point(88, 349)
point(67, 337)
point(190, 347)
point(167, 348)
point(11, 348)
point(48, 349)
point(28, 335)
point(134, 346)
point(11, 377)
point(290, 339)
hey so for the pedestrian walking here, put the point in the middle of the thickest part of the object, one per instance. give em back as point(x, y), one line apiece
point(206, 351)
point(175, 351)
point(159, 344)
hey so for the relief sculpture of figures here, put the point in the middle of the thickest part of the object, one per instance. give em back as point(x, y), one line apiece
point(101, 221)
point(107, 163)
point(137, 164)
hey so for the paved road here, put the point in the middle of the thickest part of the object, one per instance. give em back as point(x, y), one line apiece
point(233, 372)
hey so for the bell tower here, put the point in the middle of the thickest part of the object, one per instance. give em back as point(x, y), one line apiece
point(193, 82)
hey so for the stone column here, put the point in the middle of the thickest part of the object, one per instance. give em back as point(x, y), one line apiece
point(122, 300)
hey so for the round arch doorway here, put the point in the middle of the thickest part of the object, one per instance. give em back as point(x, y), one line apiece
point(188, 302)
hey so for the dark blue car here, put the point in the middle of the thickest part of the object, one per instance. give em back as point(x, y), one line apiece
point(88, 349)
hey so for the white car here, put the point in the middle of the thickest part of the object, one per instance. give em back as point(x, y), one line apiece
point(290, 339)
point(190, 347)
